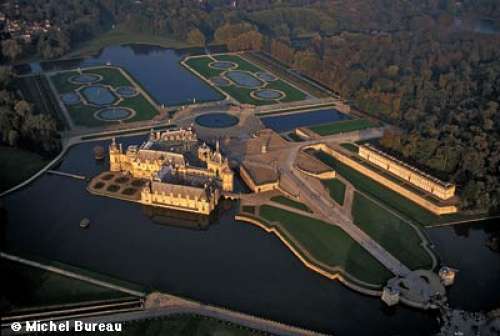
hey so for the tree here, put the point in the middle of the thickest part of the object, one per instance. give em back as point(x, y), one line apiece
point(11, 49)
point(196, 37)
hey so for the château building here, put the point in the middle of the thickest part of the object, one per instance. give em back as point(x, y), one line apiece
point(182, 174)
point(438, 188)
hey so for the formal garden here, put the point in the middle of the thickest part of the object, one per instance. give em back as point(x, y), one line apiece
point(242, 80)
point(102, 95)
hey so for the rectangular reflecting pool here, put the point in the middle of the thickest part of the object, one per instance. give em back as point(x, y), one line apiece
point(288, 122)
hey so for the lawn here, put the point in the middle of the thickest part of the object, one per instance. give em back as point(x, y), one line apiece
point(384, 195)
point(200, 64)
point(18, 165)
point(186, 325)
point(111, 76)
point(342, 127)
point(28, 286)
point(241, 94)
point(291, 203)
point(397, 236)
point(337, 190)
point(60, 81)
point(328, 244)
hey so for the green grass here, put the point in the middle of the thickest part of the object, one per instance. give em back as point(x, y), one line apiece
point(186, 325)
point(242, 64)
point(337, 190)
point(248, 209)
point(328, 244)
point(27, 286)
point(397, 236)
point(292, 94)
point(17, 165)
point(201, 65)
point(342, 127)
point(291, 203)
point(61, 82)
point(111, 76)
point(386, 196)
point(241, 94)
point(350, 147)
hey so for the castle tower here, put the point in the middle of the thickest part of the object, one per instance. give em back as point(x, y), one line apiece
point(114, 156)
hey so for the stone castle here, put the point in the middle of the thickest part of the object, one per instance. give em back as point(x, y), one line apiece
point(182, 174)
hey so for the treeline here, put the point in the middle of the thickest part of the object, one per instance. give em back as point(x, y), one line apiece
point(20, 126)
point(71, 21)
point(442, 88)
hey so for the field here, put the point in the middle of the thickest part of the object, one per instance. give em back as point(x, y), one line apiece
point(342, 127)
point(291, 203)
point(242, 92)
point(397, 236)
point(327, 244)
point(32, 287)
point(18, 165)
point(337, 190)
point(82, 113)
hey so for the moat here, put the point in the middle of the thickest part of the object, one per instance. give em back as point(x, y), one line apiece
point(221, 265)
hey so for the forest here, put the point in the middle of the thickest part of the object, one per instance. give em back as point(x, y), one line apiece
point(426, 66)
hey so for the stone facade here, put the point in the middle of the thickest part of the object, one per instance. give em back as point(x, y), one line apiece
point(173, 181)
point(437, 209)
point(438, 188)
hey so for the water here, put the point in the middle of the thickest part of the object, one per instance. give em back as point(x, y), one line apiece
point(285, 123)
point(114, 113)
point(477, 285)
point(243, 79)
point(127, 91)
point(99, 95)
point(232, 264)
point(269, 94)
point(216, 120)
point(157, 69)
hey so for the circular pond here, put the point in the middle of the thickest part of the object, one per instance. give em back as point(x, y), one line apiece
point(99, 95)
point(244, 79)
point(217, 120)
point(127, 91)
point(266, 76)
point(70, 98)
point(85, 78)
point(220, 81)
point(223, 65)
point(268, 94)
point(114, 114)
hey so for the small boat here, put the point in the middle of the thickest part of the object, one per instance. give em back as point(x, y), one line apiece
point(84, 223)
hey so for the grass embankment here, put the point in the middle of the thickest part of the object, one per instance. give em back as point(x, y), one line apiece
point(18, 165)
point(327, 243)
point(29, 287)
point(291, 203)
point(336, 189)
point(386, 196)
point(83, 115)
point(186, 325)
point(242, 94)
point(120, 36)
point(343, 127)
point(394, 234)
